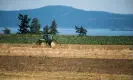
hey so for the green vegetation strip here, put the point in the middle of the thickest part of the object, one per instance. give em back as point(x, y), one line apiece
point(65, 39)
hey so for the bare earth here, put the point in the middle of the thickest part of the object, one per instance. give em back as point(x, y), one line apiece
point(66, 62)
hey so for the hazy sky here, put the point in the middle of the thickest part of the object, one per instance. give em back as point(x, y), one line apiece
point(115, 6)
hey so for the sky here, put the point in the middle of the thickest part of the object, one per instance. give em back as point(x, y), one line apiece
point(114, 6)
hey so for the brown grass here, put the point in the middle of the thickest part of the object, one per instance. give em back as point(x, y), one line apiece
point(54, 64)
point(61, 76)
point(66, 62)
point(69, 51)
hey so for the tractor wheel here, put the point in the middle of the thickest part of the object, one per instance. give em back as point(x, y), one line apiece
point(43, 44)
point(53, 44)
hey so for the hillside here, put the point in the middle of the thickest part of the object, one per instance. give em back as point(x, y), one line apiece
point(68, 17)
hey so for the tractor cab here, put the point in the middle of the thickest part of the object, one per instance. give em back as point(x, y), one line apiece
point(48, 38)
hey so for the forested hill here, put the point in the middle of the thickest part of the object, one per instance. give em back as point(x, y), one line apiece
point(68, 17)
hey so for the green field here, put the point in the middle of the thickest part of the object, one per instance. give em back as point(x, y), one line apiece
point(69, 39)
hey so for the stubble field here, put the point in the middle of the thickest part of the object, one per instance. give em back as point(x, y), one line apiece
point(66, 62)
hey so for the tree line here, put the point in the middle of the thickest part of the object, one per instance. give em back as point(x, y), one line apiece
point(34, 28)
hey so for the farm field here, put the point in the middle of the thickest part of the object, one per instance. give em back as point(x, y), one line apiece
point(68, 39)
point(66, 62)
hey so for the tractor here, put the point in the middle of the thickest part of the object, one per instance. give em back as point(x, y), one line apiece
point(48, 40)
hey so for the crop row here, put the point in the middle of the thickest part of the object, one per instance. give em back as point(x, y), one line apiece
point(64, 39)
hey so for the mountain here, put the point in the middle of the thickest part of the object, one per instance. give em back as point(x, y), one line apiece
point(68, 17)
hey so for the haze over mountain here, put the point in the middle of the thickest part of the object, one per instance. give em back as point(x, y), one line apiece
point(68, 17)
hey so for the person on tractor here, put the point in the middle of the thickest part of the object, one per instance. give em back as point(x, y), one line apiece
point(48, 39)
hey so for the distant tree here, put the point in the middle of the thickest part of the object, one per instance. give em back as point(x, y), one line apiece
point(24, 25)
point(46, 30)
point(81, 31)
point(53, 28)
point(35, 26)
point(6, 31)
